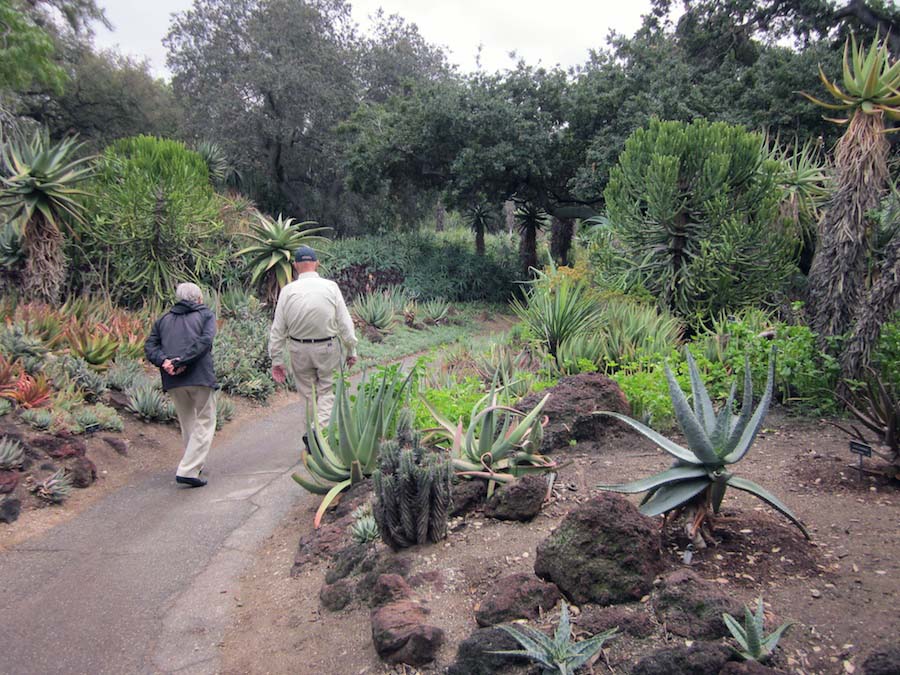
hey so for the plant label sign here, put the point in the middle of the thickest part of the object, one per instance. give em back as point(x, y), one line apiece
point(861, 449)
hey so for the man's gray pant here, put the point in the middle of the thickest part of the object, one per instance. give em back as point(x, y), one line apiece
point(313, 365)
point(196, 408)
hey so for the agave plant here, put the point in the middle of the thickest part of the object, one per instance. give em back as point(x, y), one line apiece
point(123, 373)
point(375, 309)
point(39, 419)
point(500, 444)
point(755, 644)
point(39, 183)
point(11, 253)
point(348, 451)
point(11, 454)
point(558, 655)
point(434, 311)
point(32, 392)
point(554, 314)
point(271, 255)
point(147, 402)
point(93, 344)
point(700, 476)
point(55, 488)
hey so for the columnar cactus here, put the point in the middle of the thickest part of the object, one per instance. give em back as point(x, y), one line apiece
point(412, 491)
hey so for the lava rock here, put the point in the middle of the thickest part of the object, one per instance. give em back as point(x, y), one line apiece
point(571, 407)
point(520, 500)
point(692, 607)
point(83, 472)
point(517, 596)
point(334, 597)
point(629, 619)
point(319, 543)
point(8, 481)
point(401, 634)
point(701, 658)
point(475, 655)
point(389, 588)
point(467, 495)
point(9, 510)
point(59, 447)
point(883, 661)
point(120, 445)
point(345, 561)
point(603, 551)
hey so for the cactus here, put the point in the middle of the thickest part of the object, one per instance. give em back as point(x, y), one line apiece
point(11, 454)
point(412, 491)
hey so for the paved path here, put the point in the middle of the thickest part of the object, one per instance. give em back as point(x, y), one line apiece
point(145, 579)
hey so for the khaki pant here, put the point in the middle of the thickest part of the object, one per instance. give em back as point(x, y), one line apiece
point(196, 409)
point(313, 365)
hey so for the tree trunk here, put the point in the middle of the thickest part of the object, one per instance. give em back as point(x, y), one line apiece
point(561, 233)
point(837, 275)
point(528, 249)
point(882, 300)
point(479, 239)
point(45, 261)
point(440, 217)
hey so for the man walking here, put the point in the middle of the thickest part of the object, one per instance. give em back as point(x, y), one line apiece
point(311, 317)
point(180, 345)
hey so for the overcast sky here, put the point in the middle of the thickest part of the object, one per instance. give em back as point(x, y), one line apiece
point(559, 32)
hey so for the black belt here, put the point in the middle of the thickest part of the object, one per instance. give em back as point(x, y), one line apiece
point(310, 340)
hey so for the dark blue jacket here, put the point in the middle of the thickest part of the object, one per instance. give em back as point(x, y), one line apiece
point(185, 335)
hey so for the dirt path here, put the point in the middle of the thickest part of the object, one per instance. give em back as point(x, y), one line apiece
point(841, 592)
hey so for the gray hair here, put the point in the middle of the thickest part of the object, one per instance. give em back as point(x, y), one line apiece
point(188, 291)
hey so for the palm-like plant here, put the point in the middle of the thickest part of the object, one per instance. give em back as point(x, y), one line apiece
point(553, 314)
point(39, 184)
point(271, 255)
point(700, 476)
point(870, 93)
point(480, 218)
point(530, 219)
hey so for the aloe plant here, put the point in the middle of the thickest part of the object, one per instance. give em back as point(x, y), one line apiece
point(876, 406)
point(755, 644)
point(375, 309)
point(12, 454)
point(557, 655)
point(54, 488)
point(700, 476)
point(349, 450)
point(500, 443)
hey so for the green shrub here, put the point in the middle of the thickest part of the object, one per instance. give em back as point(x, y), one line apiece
point(241, 357)
point(886, 356)
point(108, 418)
point(692, 207)
point(224, 410)
point(427, 266)
point(152, 221)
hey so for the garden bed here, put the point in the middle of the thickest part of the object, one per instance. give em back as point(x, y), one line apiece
point(840, 590)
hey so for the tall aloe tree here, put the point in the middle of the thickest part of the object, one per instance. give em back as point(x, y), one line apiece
point(531, 219)
point(39, 186)
point(271, 254)
point(480, 218)
point(871, 79)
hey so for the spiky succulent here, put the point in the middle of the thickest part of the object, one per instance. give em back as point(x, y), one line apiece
point(349, 450)
point(871, 81)
point(11, 454)
point(755, 644)
point(500, 444)
point(270, 256)
point(375, 309)
point(123, 373)
point(715, 441)
point(434, 311)
point(224, 410)
point(55, 488)
point(39, 419)
point(148, 403)
point(558, 655)
point(11, 253)
point(364, 529)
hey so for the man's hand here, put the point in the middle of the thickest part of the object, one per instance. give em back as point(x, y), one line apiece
point(351, 361)
point(278, 374)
